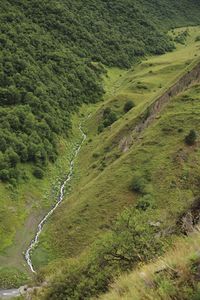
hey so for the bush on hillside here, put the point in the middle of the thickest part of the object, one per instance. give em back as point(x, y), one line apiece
point(38, 173)
point(4, 175)
point(181, 37)
point(145, 202)
point(109, 117)
point(190, 139)
point(100, 128)
point(197, 39)
point(106, 112)
point(12, 157)
point(128, 105)
point(128, 243)
point(139, 183)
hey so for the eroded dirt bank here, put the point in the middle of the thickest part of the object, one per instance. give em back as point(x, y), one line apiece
point(151, 112)
point(179, 86)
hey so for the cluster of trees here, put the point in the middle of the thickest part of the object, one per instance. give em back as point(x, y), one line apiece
point(109, 116)
point(115, 33)
point(41, 82)
point(181, 37)
point(47, 69)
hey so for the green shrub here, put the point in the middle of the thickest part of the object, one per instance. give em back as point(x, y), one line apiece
point(12, 157)
point(130, 241)
point(197, 39)
point(142, 86)
point(106, 112)
point(138, 183)
point(38, 173)
point(128, 105)
point(110, 119)
point(100, 128)
point(96, 155)
point(145, 203)
point(190, 139)
point(4, 175)
point(181, 37)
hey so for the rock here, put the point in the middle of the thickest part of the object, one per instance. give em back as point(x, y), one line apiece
point(157, 224)
point(147, 281)
point(187, 223)
point(23, 289)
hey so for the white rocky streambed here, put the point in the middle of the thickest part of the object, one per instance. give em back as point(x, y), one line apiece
point(60, 199)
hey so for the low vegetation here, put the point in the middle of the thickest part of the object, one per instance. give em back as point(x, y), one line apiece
point(141, 179)
point(124, 246)
point(11, 278)
point(181, 37)
point(190, 139)
point(54, 58)
point(198, 39)
point(128, 105)
point(174, 276)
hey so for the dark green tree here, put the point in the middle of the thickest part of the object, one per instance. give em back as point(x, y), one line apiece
point(128, 105)
point(12, 157)
point(38, 173)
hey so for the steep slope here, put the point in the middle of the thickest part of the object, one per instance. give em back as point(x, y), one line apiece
point(103, 175)
point(156, 178)
point(164, 174)
point(174, 276)
point(47, 69)
point(51, 62)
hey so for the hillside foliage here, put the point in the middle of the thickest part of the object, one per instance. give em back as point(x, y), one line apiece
point(127, 244)
point(48, 55)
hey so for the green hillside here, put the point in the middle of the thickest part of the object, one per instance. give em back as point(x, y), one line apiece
point(62, 61)
point(174, 276)
point(154, 181)
point(100, 189)
point(47, 68)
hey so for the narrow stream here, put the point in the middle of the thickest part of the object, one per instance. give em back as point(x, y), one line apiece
point(60, 199)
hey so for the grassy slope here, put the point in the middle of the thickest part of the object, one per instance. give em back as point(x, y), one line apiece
point(174, 276)
point(95, 210)
point(101, 186)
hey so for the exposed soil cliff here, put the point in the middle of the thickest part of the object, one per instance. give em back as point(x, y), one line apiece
point(183, 83)
point(151, 112)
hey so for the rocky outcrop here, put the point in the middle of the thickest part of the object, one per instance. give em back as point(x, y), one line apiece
point(190, 219)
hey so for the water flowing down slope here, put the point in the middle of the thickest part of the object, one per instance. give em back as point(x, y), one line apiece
point(35, 241)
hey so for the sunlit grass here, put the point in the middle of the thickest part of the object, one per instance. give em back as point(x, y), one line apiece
point(100, 188)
